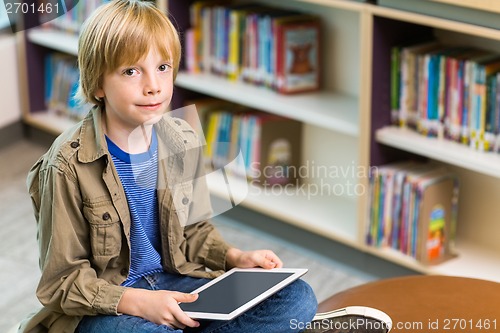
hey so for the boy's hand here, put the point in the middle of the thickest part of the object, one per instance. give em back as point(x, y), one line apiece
point(250, 259)
point(158, 306)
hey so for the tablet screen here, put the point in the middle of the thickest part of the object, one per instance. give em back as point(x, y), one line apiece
point(234, 291)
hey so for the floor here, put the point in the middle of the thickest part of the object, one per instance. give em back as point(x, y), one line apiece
point(19, 254)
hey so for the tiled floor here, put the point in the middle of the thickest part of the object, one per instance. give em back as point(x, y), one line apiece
point(19, 272)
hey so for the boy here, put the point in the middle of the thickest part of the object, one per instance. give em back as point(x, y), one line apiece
point(121, 204)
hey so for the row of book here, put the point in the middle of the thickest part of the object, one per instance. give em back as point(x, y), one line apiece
point(267, 145)
point(413, 210)
point(448, 91)
point(61, 83)
point(75, 13)
point(276, 48)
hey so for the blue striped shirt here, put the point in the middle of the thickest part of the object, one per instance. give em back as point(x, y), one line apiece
point(138, 175)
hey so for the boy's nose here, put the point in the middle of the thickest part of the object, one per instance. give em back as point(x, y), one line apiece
point(152, 86)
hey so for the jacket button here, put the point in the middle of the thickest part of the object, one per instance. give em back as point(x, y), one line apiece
point(178, 122)
point(124, 272)
point(106, 216)
point(74, 144)
point(185, 201)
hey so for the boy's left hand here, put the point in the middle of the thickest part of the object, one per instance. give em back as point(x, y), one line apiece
point(249, 259)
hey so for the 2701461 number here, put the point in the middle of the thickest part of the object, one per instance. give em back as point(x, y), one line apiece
point(464, 324)
point(25, 8)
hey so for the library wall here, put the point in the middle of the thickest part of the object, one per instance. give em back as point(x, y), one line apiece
point(10, 110)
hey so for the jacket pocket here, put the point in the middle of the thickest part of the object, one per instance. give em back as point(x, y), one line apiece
point(182, 198)
point(105, 228)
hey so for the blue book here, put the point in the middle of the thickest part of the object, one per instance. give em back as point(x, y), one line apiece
point(49, 75)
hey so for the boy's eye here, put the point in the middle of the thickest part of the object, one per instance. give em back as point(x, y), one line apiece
point(129, 71)
point(164, 67)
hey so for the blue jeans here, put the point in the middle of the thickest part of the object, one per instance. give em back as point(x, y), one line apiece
point(296, 303)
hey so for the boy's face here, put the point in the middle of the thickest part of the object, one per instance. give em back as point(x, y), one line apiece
point(137, 94)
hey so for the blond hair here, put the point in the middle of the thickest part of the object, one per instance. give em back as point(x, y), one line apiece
point(120, 33)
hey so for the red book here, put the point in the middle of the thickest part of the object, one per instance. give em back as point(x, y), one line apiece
point(298, 55)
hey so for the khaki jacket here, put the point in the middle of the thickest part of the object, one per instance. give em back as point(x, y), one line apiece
point(84, 221)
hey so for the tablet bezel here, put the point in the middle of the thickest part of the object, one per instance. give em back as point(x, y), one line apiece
point(296, 274)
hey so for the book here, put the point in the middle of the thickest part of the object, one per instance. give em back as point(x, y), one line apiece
point(447, 92)
point(298, 63)
point(409, 92)
point(269, 144)
point(362, 317)
point(279, 148)
point(484, 71)
point(438, 198)
point(61, 82)
point(408, 215)
point(258, 44)
point(476, 96)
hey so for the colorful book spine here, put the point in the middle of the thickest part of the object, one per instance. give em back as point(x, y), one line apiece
point(264, 142)
point(413, 210)
point(256, 44)
point(447, 92)
point(61, 83)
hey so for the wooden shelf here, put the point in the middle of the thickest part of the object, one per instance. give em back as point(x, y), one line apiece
point(440, 150)
point(330, 216)
point(325, 109)
point(486, 5)
point(55, 39)
point(352, 5)
point(435, 22)
point(472, 261)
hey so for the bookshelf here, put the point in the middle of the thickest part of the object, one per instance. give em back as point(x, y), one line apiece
point(321, 215)
point(346, 125)
point(479, 172)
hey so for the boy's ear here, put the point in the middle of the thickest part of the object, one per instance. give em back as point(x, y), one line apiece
point(100, 93)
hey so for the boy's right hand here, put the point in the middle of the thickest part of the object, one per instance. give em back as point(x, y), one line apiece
point(158, 306)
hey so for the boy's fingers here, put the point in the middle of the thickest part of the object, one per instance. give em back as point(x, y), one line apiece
point(185, 298)
point(182, 319)
point(277, 262)
point(272, 260)
point(264, 262)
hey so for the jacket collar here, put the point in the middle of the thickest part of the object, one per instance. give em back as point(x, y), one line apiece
point(93, 143)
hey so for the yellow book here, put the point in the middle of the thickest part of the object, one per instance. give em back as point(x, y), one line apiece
point(234, 45)
point(211, 135)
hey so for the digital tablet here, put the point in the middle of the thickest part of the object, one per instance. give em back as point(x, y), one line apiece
point(237, 290)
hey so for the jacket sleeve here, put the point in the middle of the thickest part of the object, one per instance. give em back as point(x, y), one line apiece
point(205, 245)
point(68, 283)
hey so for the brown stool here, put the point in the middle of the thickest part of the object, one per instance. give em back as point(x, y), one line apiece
point(428, 304)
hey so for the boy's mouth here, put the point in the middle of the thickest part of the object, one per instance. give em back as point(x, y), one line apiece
point(150, 106)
